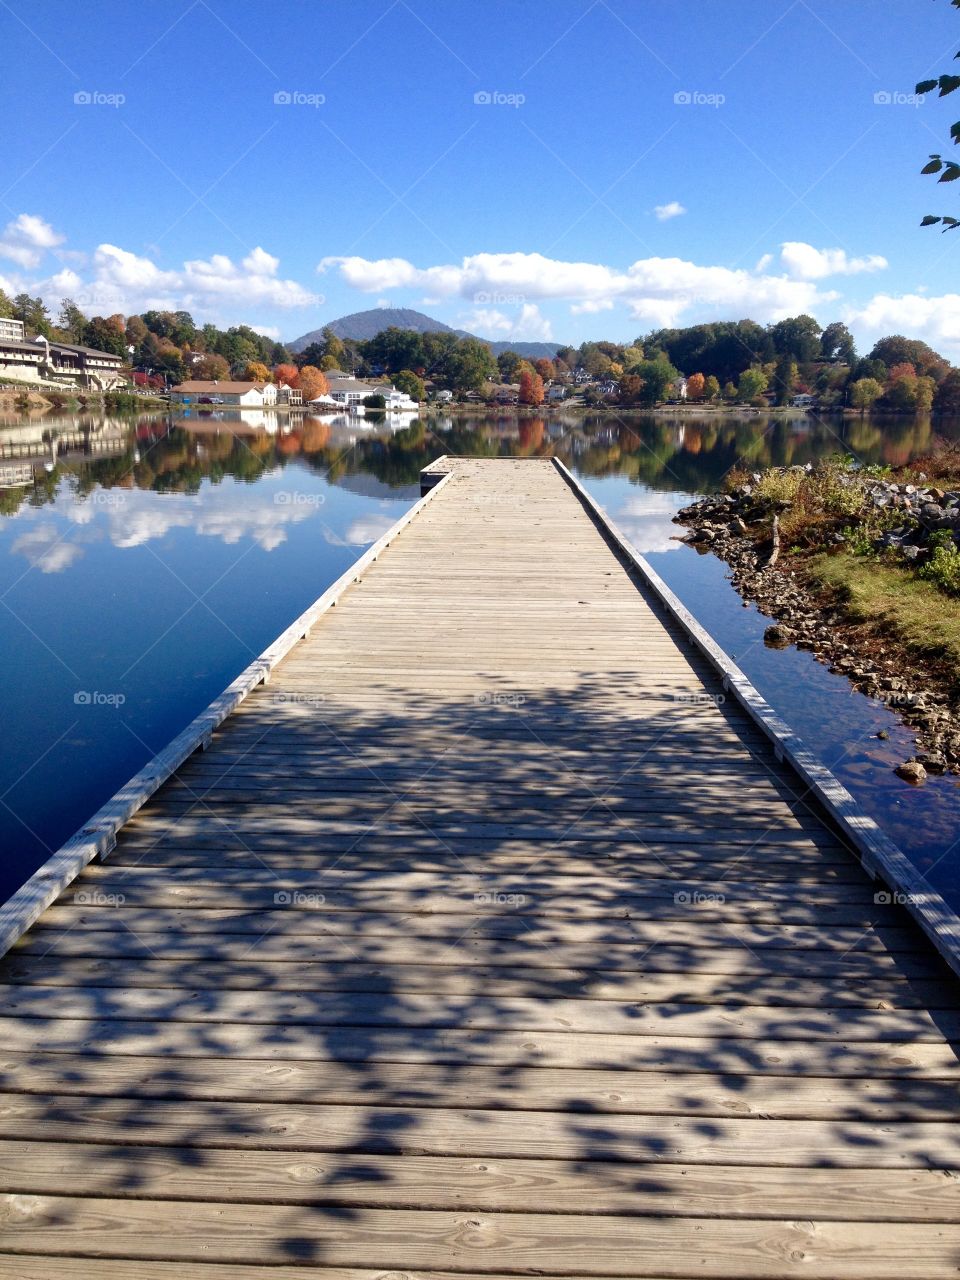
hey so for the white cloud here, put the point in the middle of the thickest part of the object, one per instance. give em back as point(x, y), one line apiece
point(129, 282)
point(804, 262)
point(591, 307)
point(26, 239)
point(658, 290)
point(664, 212)
point(935, 319)
point(647, 522)
point(223, 514)
point(46, 549)
point(528, 323)
point(365, 530)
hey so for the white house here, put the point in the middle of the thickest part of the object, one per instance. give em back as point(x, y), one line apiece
point(350, 394)
point(556, 391)
point(247, 395)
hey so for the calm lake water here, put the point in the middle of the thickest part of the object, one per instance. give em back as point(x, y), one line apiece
point(144, 562)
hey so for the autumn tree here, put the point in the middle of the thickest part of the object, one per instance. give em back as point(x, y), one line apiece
point(286, 373)
point(135, 331)
point(711, 388)
point(211, 368)
point(531, 387)
point(947, 398)
point(864, 393)
point(256, 372)
point(696, 384)
point(896, 349)
point(312, 382)
point(901, 371)
point(546, 369)
point(631, 386)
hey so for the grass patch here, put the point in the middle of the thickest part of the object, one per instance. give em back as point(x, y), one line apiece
point(897, 603)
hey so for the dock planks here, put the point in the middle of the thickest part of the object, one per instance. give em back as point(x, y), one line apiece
point(488, 938)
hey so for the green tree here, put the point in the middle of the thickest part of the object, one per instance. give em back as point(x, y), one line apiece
point(785, 379)
point(797, 336)
point(753, 382)
point(103, 335)
point(71, 320)
point(657, 377)
point(836, 343)
point(711, 388)
point(33, 313)
point(864, 393)
point(394, 349)
point(408, 382)
point(468, 364)
point(508, 362)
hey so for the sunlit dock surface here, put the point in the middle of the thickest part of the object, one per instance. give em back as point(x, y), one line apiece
point(488, 939)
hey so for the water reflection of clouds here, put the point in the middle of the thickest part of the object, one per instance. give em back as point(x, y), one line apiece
point(45, 548)
point(647, 521)
point(360, 533)
point(135, 518)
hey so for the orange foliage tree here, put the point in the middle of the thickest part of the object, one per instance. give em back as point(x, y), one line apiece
point(901, 371)
point(531, 388)
point(256, 372)
point(312, 382)
point(286, 373)
point(545, 368)
point(696, 384)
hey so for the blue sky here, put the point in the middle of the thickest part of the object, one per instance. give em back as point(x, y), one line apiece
point(627, 163)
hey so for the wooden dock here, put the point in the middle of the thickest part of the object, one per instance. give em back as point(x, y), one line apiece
point(494, 936)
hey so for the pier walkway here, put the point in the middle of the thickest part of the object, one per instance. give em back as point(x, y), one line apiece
point(489, 938)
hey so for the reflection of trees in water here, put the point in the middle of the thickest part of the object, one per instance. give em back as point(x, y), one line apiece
point(664, 453)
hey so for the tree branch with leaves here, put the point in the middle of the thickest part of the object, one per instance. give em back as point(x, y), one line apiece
point(949, 170)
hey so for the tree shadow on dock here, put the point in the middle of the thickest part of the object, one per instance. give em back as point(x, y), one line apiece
point(534, 974)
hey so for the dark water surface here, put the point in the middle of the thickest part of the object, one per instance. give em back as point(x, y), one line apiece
point(144, 563)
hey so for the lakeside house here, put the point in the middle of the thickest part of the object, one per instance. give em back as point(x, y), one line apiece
point(348, 393)
point(556, 391)
point(247, 395)
point(62, 365)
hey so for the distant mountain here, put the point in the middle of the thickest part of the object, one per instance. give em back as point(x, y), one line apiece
point(363, 325)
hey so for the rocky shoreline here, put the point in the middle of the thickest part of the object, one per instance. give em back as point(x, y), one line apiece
point(741, 527)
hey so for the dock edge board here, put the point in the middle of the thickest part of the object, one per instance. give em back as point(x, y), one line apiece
point(880, 856)
point(98, 835)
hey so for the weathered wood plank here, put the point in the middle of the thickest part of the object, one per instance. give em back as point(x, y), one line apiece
point(447, 1182)
point(596, 1245)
